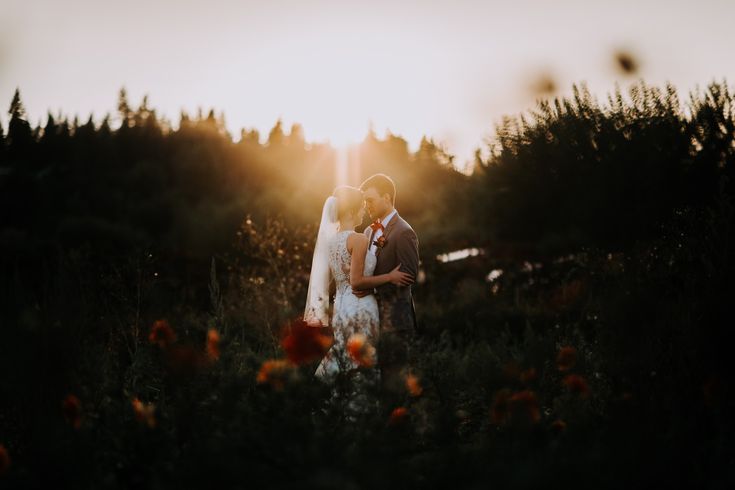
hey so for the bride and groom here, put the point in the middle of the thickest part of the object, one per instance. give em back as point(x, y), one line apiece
point(373, 314)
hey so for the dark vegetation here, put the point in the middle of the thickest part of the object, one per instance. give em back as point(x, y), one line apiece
point(142, 262)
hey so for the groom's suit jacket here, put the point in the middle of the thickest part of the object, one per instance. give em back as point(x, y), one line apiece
point(397, 311)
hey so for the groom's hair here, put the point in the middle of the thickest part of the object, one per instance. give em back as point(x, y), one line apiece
point(383, 184)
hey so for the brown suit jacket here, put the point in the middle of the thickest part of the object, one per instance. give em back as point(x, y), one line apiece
point(397, 311)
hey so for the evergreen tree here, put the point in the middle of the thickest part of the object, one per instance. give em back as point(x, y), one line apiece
point(124, 110)
point(276, 136)
point(20, 135)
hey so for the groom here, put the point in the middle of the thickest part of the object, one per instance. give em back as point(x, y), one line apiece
point(393, 242)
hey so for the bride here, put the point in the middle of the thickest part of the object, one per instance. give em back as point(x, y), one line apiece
point(342, 254)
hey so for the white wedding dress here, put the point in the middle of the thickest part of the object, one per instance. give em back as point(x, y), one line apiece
point(351, 315)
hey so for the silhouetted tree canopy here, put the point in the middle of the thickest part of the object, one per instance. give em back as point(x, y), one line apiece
point(571, 173)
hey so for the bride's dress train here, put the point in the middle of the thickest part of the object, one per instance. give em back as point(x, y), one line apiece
point(351, 315)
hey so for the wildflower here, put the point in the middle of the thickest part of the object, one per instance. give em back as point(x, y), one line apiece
point(558, 426)
point(275, 372)
point(576, 384)
point(144, 412)
point(523, 407)
point(71, 407)
point(398, 416)
point(305, 343)
point(566, 358)
point(162, 334)
point(4, 460)
point(361, 351)
point(212, 344)
point(528, 375)
point(413, 386)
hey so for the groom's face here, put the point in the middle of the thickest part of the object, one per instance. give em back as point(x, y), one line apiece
point(377, 206)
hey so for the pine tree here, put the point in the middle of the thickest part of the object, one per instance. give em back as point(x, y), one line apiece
point(296, 136)
point(276, 136)
point(20, 135)
point(124, 110)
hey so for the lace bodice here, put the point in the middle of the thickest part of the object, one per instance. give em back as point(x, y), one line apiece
point(340, 261)
point(351, 316)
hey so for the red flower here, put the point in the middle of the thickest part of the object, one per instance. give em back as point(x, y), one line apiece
point(566, 358)
point(499, 409)
point(361, 351)
point(71, 407)
point(576, 384)
point(528, 375)
point(275, 372)
point(413, 386)
point(520, 407)
point(212, 344)
point(162, 334)
point(524, 407)
point(398, 416)
point(144, 412)
point(305, 343)
point(4, 460)
point(558, 426)
point(380, 242)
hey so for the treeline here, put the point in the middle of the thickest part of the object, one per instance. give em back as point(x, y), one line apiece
point(576, 173)
point(185, 190)
point(571, 173)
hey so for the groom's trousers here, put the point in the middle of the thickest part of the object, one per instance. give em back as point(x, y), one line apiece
point(395, 348)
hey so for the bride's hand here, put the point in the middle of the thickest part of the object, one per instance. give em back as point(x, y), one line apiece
point(400, 278)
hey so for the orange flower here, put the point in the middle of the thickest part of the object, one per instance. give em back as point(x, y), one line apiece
point(275, 372)
point(576, 384)
point(566, 358)
point(499, 409)
point(413, 386)
point(361, 351)
point(528, 375)
point(4, 460)
point(398, 416)
point(212, 344)
point(305, 343)
point(558, 426)
point(524, 407)
point(71, 407)
point(144, 412)
point(161, 334)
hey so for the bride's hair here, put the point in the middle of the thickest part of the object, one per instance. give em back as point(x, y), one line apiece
point(349, 200)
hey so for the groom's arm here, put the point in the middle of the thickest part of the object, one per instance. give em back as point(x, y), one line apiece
point(407, 252)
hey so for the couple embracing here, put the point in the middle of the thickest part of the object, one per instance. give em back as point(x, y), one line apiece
point(373, 319)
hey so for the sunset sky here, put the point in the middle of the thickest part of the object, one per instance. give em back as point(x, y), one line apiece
point(446, 69)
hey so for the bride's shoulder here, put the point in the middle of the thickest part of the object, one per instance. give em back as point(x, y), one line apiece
point(356, 238)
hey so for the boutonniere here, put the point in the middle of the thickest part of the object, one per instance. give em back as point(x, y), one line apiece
point(380, 242)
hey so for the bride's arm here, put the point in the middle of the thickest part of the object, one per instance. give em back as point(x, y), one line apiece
point(358, 242)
